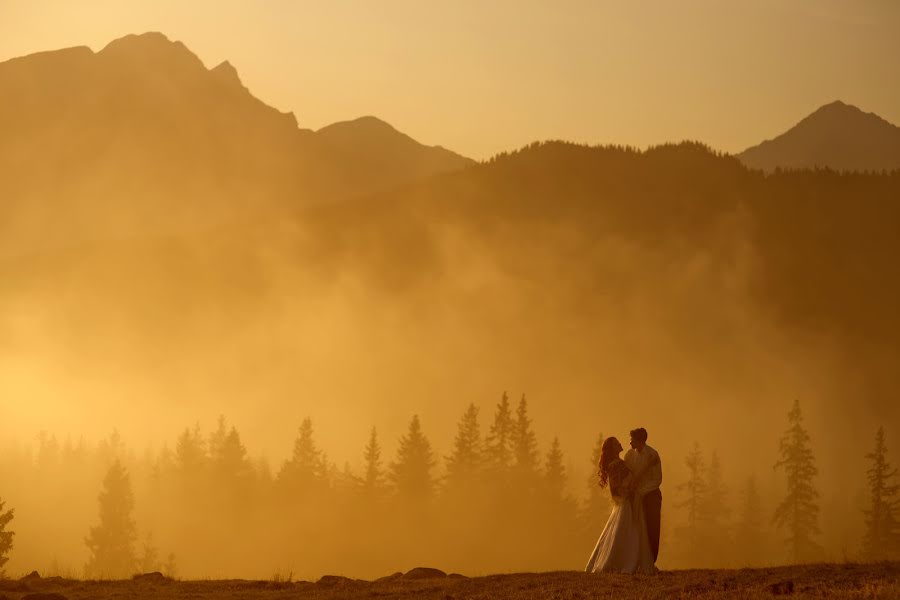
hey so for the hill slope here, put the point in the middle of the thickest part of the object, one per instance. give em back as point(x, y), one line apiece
point(838, 136)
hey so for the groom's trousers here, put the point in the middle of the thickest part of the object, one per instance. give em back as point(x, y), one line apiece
point(652, 502)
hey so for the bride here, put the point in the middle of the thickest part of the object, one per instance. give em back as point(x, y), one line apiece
point(623, 546)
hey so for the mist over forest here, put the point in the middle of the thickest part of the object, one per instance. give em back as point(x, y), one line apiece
point(155, 275)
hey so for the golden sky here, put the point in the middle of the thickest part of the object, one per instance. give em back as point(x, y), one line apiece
point(482, 76)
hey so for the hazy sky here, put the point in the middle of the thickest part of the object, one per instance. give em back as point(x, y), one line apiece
point(481, 76)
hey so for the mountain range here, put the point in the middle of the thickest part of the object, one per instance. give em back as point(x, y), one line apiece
point(144, 120)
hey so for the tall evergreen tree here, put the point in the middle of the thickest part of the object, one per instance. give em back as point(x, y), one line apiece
point(217, 438)
point(798, 513)
point(230, 462)
point(714, 516)
point(111, 543)
point(524, 444)
point(190, 452)
point(307, 467)
point(555, 472)
point(411, 471)
point(694, 496)
point(882, 536)
point(373, 482)
point(464, 464)
point(6, 536)
point(499, 443)
point(715, 509)
point(749, 536)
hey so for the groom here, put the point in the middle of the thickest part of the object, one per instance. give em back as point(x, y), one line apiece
point(645, 460)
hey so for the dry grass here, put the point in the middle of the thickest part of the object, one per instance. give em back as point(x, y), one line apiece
point(880, 580)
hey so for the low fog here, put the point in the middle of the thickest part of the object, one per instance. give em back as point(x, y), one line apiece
point(361, 315)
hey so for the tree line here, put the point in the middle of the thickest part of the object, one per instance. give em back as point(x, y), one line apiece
point(499, 504)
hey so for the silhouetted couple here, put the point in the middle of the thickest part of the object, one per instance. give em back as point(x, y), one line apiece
point(630, 541)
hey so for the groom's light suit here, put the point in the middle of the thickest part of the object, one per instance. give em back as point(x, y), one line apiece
point(648, 491)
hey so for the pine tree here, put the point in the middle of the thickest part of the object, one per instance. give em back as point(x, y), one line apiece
point(373, 482)
point(190, 452)
point(464, 464)
point(111, 543)
point(714, 515)
point(882, 537)
point(230, 460)
point(798, 512)
point(6, 536)
point(307, 467)
point(694, 492)
point(411, 471)
point(149, 558)
point(217, 438)
point(499, 442)
point(715, 502)
point(555, 472)
point(749, 537)
point(524, 444)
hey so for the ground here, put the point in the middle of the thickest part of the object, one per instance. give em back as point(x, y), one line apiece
point(881, 580)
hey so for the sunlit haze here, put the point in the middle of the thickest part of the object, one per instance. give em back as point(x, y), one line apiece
point(353, 276)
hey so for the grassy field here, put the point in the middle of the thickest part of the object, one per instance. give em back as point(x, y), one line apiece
point(807, 581)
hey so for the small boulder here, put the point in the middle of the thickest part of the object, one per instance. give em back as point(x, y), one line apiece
point(154, 577)
point(424, 573)
point(782, 588)
point(330, 580)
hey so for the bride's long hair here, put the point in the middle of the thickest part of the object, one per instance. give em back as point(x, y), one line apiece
point(610, 450)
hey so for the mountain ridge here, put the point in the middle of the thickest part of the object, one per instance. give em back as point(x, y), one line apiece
point(838, 136)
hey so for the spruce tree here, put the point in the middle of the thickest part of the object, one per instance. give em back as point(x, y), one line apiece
point(714, 515)
point(555, 472)
point(6, 536)
point(798, 513)
point(749, 536)
point(559, 506)
point(464, 464)
point(499, 442)
point(411, 471)
point(148, 561)
point(694, 495)
point(882, 536)
point(190, 452)
point(307, 467)
point(217, 438)
point(524, 444)
point(715, 503)
point(111, 543)
point(373, 482)
point(230, 462)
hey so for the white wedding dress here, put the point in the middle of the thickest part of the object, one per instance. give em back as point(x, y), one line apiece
point(623, 546)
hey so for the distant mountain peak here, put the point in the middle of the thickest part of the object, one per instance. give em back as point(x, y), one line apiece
point(837, 135)
point(366, 124)
point(226, 72)
point(150, 47)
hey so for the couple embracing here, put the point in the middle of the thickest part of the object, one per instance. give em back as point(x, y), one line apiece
point(630, 541)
